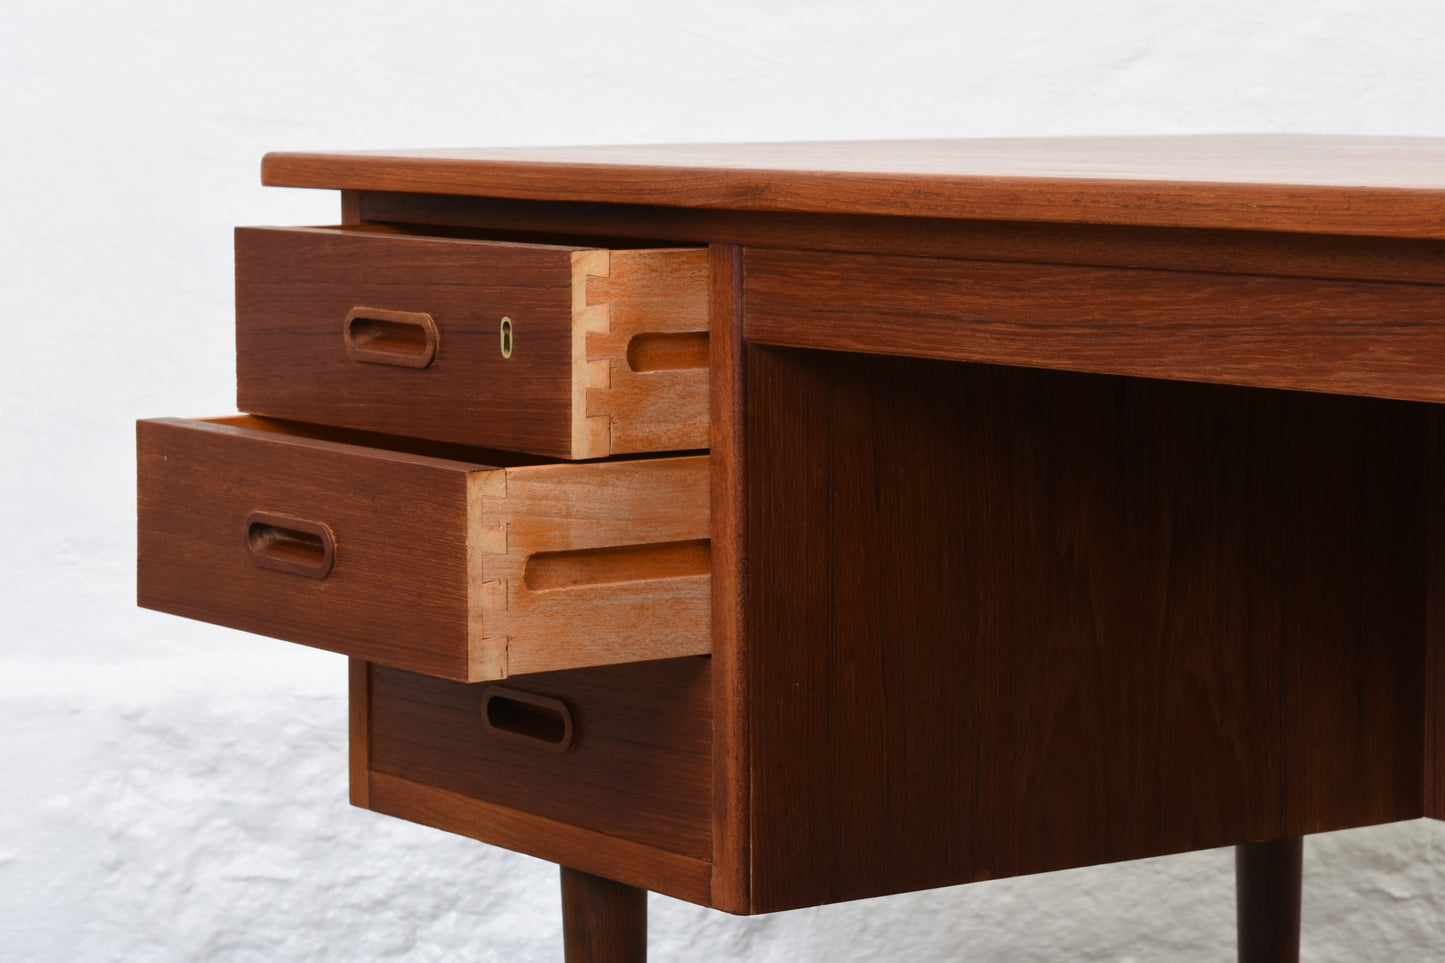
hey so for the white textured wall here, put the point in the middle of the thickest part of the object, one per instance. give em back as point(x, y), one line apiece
point(170, 791)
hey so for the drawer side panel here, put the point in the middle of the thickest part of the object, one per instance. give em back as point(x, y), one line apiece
point(627, 543)
point(654, 349)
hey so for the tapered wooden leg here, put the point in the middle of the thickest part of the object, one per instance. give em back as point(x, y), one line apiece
point(1267, 894)
point(602, 921)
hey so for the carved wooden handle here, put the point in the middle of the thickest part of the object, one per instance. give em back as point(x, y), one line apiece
point(525, 717)
point(407, 339)
point(287, 544)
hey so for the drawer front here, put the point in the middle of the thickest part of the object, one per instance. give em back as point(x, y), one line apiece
point(1373, 338)
point(453, 568)
point(568, 352)
point(488, 761)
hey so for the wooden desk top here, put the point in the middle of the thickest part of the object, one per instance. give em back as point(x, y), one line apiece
point(1374, 186)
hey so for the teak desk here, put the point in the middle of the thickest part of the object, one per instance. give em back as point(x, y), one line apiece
point(1063, 501)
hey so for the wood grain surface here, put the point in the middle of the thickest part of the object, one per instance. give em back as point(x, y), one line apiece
point(591, 564)
point(1378, 339)
point(1434, 679)
point(639, 770)
point(398, 590)
point(461, 570)
point(295, 285)
point(567, 389)
point(635, 864)
point(1349, 185)
point(602, 921)
point(731, 793)
point(654, 396)
point(1004, 621)
point(1257, 251)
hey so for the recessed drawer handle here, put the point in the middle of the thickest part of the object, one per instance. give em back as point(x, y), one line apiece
point(524, 717)
point(404, 338)
point(668, 352)
point(290, 544)
point(586, 567)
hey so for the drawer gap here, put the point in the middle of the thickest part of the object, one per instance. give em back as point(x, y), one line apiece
point(555, 239)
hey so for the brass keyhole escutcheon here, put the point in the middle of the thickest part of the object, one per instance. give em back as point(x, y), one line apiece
point(506, 337)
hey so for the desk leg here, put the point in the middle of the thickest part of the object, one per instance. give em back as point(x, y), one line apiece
point(602, 921)
point(1267, 895)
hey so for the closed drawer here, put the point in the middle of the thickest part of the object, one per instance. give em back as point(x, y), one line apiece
point(448, 567)
point(605, 769)
point(1372, 338)
point(569, 352)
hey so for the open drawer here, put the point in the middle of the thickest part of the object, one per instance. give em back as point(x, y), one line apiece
point(433, 564)
point(570, 352)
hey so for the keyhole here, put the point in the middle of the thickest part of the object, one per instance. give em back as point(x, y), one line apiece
point(506, 337)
